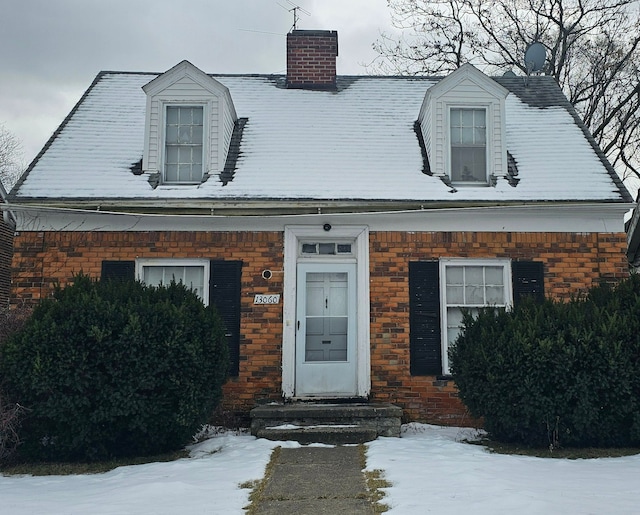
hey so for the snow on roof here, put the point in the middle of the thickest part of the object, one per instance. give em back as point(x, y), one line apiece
point(356, 143)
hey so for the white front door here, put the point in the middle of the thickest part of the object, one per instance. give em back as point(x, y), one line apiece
point(326, 350)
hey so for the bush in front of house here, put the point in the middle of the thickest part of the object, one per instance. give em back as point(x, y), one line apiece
point(11, 413)
point(556, 374)
point(113, 369)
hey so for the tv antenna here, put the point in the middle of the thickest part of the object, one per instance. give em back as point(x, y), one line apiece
point(295, 9)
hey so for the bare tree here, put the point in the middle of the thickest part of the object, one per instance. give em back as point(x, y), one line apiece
point(593, 51)
point(11, 157)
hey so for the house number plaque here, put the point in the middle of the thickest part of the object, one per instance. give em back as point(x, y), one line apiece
point(267, 299)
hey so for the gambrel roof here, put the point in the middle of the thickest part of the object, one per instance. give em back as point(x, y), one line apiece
point(357, 143)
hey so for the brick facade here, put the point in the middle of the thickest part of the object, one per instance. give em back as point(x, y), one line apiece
point(573, 262)
point(311, 59)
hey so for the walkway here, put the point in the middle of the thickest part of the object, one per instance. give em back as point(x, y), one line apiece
point(314, 480)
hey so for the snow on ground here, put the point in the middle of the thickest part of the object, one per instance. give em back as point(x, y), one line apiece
point(205, 483)
point(433, 471)
point(431, 468)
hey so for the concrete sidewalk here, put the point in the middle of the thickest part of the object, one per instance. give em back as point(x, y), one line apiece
point(315, 480)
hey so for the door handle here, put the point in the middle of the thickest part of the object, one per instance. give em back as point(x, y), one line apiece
point(298, 324)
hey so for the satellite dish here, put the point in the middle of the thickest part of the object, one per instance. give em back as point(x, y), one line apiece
point(534, 57)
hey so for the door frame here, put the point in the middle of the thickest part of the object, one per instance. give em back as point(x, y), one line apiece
point(293, 234)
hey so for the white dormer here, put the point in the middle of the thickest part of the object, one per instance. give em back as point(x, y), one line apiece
point(189, 123)
point(462, 119)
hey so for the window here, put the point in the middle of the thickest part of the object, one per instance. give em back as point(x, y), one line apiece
point(468, 145)
point(193, 273)
point(184, 138)
point(470, 285)
point(438, 290)
point(326, 249)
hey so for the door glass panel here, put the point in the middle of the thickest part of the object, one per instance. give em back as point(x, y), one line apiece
point(315, 300)
point(326, 317)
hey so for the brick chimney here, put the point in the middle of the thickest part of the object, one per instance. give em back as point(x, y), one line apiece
point(311, 59)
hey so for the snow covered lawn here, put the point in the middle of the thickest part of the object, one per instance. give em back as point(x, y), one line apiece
point(430, 468)
point(433, 471)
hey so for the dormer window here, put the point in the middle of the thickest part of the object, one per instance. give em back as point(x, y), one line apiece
point(468, 131)
point(184, 138)
point(189, 126)
point(462, 123)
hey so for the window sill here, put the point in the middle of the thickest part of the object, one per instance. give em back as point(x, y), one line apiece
point(181, 184)
point(470, 184)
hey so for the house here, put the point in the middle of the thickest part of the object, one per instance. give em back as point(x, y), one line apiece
point(6, 252)
point(339, 223)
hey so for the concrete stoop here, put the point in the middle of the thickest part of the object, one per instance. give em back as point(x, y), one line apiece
point(340, 423)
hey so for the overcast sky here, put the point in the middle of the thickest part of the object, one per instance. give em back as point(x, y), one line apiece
point(50, 50)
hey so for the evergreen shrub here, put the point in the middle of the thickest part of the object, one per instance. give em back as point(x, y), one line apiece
point(11, 413)
point(113, 369)
point(553, 373)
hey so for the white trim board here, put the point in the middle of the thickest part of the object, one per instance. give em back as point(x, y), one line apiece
point(576, 218)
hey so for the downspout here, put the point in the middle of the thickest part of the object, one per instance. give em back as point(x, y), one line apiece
point(8, 216)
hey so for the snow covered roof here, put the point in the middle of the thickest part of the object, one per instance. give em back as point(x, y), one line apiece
point(357, 143)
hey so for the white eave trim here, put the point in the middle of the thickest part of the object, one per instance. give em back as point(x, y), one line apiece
point(575, 218)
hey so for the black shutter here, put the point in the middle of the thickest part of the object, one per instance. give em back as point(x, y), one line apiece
point(118, 270)
point(528, 280)
point(425, 342)
point(224, 294)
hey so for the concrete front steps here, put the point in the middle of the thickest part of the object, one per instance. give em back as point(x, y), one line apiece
point(324, 422)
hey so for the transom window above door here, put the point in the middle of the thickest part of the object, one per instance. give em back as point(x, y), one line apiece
point(468, 133)
point(326, 248)
point(184, 143)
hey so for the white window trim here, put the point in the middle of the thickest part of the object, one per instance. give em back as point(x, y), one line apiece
point(488, 143)
point(508, 291)
point(205, 138)
point(141, 263)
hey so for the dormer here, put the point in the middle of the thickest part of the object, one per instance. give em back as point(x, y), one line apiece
point(189, 123)
point(462, 120)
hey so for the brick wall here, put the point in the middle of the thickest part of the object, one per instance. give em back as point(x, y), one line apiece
point(42, 259)
point(573, 262)
point(311, 58)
